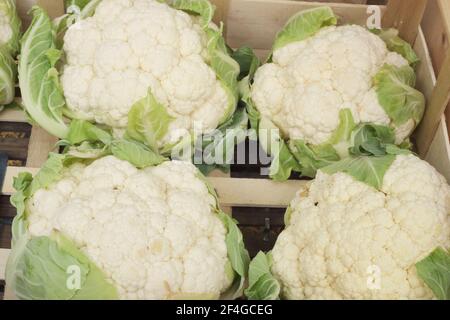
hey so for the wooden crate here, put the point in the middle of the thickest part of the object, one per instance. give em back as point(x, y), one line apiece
point(436, 28)
point(255, 23)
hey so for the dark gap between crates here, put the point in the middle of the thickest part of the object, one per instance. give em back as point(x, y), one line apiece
point(2, 289)
point(14, 140)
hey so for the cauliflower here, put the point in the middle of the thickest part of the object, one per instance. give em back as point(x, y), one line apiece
point(9, 42)
point(151, 233)
point(316, 78)
point(346, 239)
point(144, 68)
point(132, 46)
point(321, 73)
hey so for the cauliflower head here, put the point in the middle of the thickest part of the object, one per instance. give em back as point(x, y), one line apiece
point(348, 240)
point(130, 46)
point(152, 233)
point(310, 81)
point(146, 68)
point(9, 42)
point(322, 78)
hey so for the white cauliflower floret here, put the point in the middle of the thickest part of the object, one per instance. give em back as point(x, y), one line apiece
point(129, 47)
point(201, 270)
point(153, 232)
point(6, 31)
point(310, 81)
point(304, 121)
point(342, 233)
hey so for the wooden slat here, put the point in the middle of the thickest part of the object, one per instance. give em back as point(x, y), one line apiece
point(445, 9)
point(426, 79)
point(23, 6)
point(436, 24)
point(404, 16)
point(40, 145)
point(439, 151)
point(255, 23)
point(12, 115)
point(231, 191)
point(447, 118)
point(255, 192)
point(221, 13)
point(341, 1)
point(435, 109)
point(220, 174)
point(9, 295)
point(436, 27)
